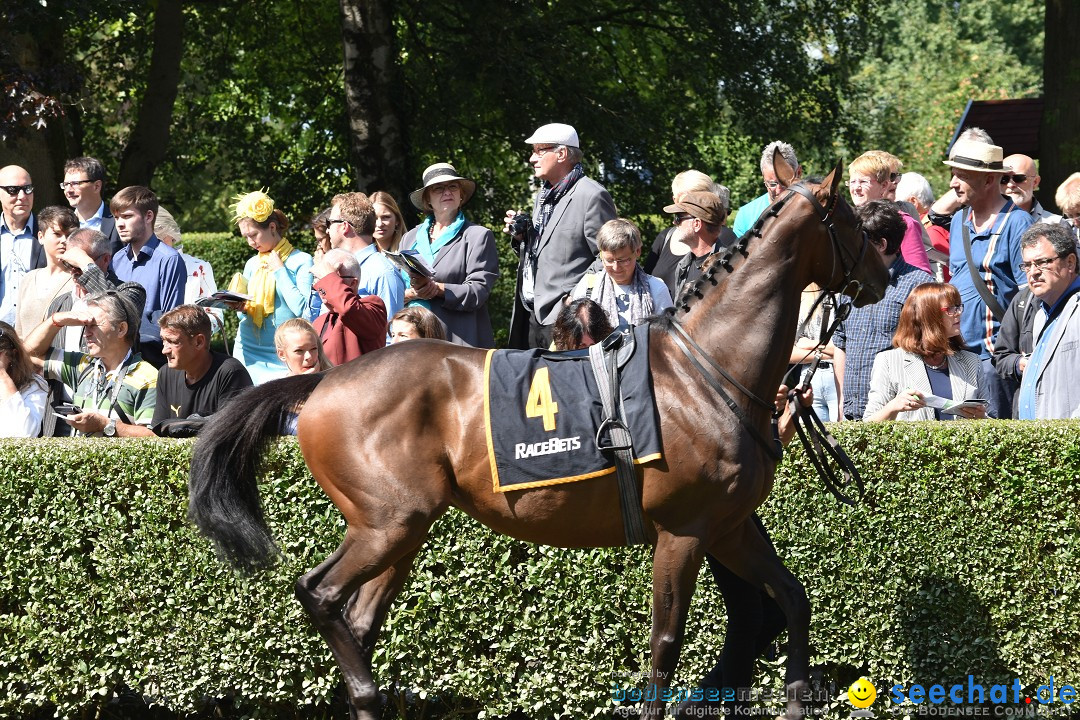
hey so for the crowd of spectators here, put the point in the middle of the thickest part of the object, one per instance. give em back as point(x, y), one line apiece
point(106, 325)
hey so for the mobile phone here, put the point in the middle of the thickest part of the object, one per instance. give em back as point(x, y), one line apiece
point(65, 409)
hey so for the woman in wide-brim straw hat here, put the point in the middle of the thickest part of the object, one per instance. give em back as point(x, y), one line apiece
point(463, 256)
point(277, 278)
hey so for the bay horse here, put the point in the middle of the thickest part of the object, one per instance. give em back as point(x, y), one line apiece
point(397, 437)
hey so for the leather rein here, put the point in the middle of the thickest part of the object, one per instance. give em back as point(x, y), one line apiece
point(818, 442)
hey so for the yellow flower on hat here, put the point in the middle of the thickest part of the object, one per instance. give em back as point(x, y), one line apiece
point(255, 205)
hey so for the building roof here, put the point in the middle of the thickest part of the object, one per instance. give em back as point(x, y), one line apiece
point(1013, 124)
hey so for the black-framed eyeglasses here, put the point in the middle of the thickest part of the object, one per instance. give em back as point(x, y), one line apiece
point(331, 222)
point(1016, 179)
point(69, 184)
point(13, 190)
point(681, 218)
point(1040, 264)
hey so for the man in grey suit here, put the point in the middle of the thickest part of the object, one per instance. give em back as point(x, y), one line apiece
point(1048, 387)
point(557, 245)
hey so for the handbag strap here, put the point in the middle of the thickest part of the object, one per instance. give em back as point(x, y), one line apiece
point(980, 285)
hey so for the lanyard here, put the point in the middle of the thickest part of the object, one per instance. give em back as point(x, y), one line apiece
point(118, 383)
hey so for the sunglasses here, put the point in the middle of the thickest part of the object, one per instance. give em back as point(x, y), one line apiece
point(13, 190)
point(1015, 179)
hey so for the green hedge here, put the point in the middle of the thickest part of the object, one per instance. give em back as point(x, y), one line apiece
point(964, 560)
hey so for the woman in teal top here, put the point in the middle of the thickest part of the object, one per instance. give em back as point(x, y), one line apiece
point(278, 279)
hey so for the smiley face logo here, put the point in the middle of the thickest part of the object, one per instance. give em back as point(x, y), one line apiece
point(862, 693)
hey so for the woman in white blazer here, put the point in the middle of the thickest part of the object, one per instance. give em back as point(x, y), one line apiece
point(928, 359)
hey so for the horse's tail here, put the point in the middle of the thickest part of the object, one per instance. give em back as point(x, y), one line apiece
point(223, 492)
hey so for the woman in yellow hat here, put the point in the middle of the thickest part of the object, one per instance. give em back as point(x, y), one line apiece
point(278, 279)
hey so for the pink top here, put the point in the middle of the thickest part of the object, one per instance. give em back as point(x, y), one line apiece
point(912, 249)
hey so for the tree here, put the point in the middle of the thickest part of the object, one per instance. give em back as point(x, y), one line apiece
point(929, 57)
point(1059, 138)
point(372, 101)
point(146, 146)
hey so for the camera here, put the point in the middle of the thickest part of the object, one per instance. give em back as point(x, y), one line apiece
point(521, 225)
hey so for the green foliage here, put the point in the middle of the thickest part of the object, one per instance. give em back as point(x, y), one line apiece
point(961, 561)
point(929, 57)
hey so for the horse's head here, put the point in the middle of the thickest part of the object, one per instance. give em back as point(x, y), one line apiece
point(849, 264)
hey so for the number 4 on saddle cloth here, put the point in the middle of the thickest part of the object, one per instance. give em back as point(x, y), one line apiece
point(543, 410)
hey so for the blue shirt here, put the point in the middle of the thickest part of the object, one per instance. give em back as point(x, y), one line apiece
point(94, 221)
point(162, 273)
point(16, 250)
point(749, 213)
point(869, 330)
point(996, 252)
point(378, 276)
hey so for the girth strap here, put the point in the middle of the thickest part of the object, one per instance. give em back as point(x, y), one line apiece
point(771, 446)
point(603, 358)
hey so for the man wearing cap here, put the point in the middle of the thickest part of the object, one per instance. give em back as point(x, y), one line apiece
point(699, 218)
point(1020, 184)
point(351, 227)
point(113, 389)
point(20, 250)
point(987, 230)
point(557, 245)
point(751, 211)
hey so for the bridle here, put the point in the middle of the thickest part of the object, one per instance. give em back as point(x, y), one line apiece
point(820, 445)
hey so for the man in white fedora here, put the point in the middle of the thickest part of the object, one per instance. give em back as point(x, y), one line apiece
point(984, 256)
point(557, 244)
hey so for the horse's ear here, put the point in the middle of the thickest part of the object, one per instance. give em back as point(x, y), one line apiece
point(785, 174)
point(832, 180)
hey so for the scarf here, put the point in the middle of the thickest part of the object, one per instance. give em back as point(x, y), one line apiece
point(428, 247)
point(639, 299)
point(261, 286)
point(550, 195)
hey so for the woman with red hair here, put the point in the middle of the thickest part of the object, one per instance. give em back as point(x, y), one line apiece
point(928, 361)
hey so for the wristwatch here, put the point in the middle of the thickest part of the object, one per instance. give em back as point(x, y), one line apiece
point(110, 428)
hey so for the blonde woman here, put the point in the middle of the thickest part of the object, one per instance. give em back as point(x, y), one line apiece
point(277, 278)
point(389, 222)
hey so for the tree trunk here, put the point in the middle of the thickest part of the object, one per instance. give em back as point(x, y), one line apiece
point(377, 148)
point(149, 139)
point(1059, 136)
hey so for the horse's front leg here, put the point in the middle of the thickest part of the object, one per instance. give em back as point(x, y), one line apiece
point(754, 559)
point(676, 563)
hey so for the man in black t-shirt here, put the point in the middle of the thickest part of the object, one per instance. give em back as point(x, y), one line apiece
point(196, 381)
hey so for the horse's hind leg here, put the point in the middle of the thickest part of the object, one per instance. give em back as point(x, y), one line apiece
point(366, 611)
point(325, 591)
point(751, 557)
point(676, 563)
